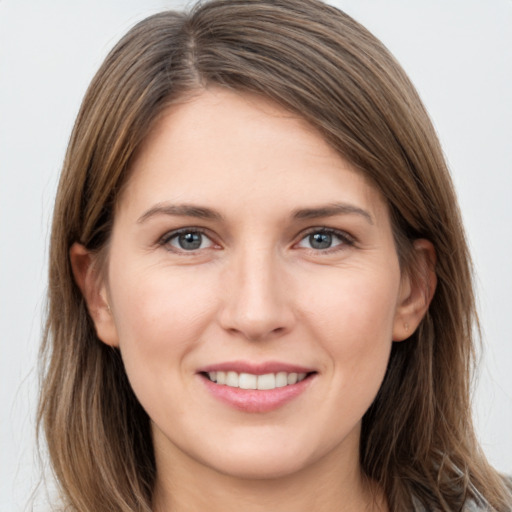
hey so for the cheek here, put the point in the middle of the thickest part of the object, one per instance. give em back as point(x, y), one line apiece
point(353, 322)
point(354, 308)
point(160, 315)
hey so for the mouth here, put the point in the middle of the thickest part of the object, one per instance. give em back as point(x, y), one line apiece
point(265, 382)
point(257, 388)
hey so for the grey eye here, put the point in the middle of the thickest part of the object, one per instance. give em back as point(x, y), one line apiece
point(324, 238)
point(320, 240)
point(189, 241)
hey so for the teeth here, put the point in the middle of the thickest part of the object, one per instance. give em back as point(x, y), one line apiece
point(247, 381)
point(261, 382)
point(281, 379)
point(292, 378)
point(267, 381)
point(232, 379)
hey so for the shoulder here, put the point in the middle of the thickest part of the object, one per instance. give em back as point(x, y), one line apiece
point(470, 506)
point(476, 504)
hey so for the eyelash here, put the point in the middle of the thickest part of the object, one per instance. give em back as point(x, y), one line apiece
point(346, 240)
point(168, 237)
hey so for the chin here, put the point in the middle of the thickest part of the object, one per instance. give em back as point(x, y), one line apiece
point(261, 468)
point(263, 461)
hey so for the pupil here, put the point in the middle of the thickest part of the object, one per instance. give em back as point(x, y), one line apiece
point(320, 240)
point(190, 241)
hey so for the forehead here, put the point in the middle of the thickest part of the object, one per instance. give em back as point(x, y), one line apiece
point(229, 148)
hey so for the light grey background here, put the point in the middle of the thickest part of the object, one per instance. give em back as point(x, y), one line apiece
point(459, 55)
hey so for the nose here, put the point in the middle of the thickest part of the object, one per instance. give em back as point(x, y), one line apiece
point(257, 302)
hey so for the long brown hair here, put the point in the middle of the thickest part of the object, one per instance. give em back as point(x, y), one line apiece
point(417, 437)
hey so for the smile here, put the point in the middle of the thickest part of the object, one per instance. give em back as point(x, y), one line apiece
point(257, 388)
point(267, 381)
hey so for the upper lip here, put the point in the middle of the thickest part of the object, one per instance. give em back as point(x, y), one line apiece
point(255, 368)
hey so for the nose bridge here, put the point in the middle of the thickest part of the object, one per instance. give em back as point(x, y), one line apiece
point(256, 301)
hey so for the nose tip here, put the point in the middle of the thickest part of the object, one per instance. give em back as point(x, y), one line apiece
point(257, 305)
point(255, 331)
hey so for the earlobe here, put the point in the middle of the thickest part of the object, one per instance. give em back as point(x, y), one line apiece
point(416, 290)
point(94, 291)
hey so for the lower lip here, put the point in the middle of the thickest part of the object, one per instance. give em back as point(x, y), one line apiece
point(254, 400)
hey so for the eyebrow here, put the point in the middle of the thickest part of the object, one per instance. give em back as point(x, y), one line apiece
point(330, 211)
point(201, 212)
point(180, 210)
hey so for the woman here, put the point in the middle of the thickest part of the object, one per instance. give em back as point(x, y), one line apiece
point(260, 290)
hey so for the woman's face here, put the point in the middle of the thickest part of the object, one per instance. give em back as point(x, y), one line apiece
point(246, 251)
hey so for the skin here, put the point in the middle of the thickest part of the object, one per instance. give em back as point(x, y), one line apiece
point(257, 289)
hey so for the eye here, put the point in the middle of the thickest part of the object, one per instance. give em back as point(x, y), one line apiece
point(322, 239)
point(187, 239)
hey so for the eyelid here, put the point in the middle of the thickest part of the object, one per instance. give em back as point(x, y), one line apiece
point(165, 239)
point(347, 239)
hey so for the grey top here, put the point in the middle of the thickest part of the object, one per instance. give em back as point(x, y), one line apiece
point(481, 505)
point(470, 506)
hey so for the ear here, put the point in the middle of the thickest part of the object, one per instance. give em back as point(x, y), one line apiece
point(93, 287)
point(416, 290)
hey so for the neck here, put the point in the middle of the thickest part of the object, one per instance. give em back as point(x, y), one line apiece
point(327, 485)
